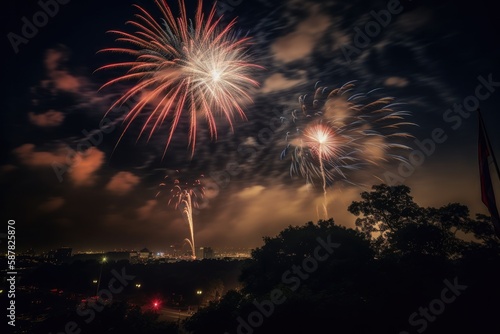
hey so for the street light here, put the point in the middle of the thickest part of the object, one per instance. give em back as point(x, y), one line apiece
point(100, 274)
point(199, 293)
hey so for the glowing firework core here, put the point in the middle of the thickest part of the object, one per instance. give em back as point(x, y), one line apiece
point(216, 75)
point(320, 140)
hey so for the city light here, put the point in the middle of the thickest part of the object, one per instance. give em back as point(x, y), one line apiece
point(156, 304)
point(94, 281)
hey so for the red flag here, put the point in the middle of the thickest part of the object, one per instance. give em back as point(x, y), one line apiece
point(487, 192)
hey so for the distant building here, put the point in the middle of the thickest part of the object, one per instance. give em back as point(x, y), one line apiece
point(204, 253)
point(208, 253)
point(145, 254)
point(134, 257)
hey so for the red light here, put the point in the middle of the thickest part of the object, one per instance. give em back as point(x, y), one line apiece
point(156, 304)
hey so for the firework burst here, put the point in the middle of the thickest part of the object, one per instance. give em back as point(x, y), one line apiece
point(337, 132)
point(184, 196)
point(199, 69)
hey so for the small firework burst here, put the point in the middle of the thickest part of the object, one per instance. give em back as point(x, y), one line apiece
point(337, 132)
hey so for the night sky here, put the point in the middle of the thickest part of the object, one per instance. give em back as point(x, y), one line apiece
point(429, 57)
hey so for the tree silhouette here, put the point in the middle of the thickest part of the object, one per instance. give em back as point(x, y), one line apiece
point(397, 225)
point(384, 211)
point(292, 245)
point(311, 295)
point(393, 264)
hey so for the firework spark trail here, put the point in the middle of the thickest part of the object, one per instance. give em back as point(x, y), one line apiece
point(338, 132)
point(179, 66)
point(184, 200)
point(322, 168)
point(320, 140)
point(181, 196)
